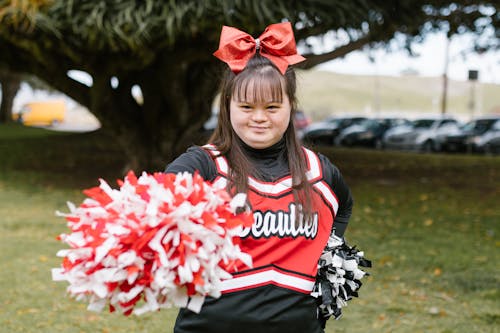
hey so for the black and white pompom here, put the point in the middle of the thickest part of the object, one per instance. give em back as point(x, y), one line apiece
point(338, 277)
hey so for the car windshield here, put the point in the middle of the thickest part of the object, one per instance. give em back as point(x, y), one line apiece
point(332, 120)
point(479, 126)
point(368, 123)
point(423, 123)
point(399, 122)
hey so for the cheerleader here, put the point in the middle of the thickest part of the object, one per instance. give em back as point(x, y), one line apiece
point(297, 196)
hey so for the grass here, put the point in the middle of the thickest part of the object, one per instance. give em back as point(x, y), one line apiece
point(428, 222)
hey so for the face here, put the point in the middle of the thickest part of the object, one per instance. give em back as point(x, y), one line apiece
point(260, 124)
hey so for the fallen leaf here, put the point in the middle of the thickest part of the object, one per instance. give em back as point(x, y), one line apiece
point(434, 310)
point(481, 259)
point(385, 260)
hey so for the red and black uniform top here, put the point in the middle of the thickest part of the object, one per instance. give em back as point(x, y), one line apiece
point(274, 295)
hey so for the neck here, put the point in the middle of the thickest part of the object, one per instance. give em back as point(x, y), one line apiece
point(270, 151)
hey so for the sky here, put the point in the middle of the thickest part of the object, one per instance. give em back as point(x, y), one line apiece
point(430, 62)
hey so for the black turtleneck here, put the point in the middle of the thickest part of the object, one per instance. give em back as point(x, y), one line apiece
point(272, 164)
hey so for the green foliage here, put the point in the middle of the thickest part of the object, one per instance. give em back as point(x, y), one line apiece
point(428, 222)
point(130, 25)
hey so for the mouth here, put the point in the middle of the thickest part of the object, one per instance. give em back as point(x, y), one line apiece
point(259, 128)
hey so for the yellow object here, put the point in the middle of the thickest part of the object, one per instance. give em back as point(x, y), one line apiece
point(41, 113)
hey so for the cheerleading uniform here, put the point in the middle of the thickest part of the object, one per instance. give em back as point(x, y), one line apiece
point(274, 295)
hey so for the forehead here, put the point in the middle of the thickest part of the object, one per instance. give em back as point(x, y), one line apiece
point(262, 87)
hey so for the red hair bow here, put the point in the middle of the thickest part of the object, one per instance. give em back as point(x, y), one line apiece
point(276, 43)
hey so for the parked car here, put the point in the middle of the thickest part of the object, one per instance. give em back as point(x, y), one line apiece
point(301, 120)
point(391, 122)
point(368, 133)
point(425, 134)
point(489, 142)
point(469, 138)
point(43, 113)
point(325, 132)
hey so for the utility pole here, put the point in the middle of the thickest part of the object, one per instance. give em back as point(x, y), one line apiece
point(445, 76)
point(473, 77)
point(376, 94)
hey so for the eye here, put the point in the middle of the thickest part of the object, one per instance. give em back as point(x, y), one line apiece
point(245, 106)
point(273, 107)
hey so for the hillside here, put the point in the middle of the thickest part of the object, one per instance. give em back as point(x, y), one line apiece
point(323, 93)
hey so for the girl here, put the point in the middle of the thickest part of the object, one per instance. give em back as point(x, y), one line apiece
point(296, 195)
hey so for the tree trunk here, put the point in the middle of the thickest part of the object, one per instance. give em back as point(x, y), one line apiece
point(10, 83)
point(176, 102)
point(178, 89)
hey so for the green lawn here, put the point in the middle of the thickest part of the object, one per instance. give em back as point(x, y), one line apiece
point(428, 222)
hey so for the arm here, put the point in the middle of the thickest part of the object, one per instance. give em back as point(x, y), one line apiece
point(195, 159)
point(334, 179)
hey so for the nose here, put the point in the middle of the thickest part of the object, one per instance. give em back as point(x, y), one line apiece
point(259, 115)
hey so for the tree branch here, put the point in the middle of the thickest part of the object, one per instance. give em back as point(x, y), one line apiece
point(20, 61)
point(316, 59)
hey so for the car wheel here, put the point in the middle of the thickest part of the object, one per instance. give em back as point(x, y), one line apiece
point(428, 147)
point(488, 150)
point(341, 143)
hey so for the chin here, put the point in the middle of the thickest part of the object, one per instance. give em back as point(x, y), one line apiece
point(258, 145)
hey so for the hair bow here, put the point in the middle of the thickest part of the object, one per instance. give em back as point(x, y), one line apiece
point(276, 43)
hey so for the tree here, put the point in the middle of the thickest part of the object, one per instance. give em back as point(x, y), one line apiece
point(164, 48)
point(10, 83)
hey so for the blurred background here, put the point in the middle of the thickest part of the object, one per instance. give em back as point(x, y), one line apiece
point(403, 96)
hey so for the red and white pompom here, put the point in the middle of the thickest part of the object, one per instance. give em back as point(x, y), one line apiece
point(157, 241)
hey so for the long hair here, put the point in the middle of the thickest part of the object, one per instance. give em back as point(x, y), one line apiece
point(260, 81)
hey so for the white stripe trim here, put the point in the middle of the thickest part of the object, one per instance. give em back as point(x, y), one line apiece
point(220, 183)
point(220, 161)
point(270, 276)
point(314, 167)
point(313, 173)
point(328, 195)
point(270, 188)
point(222, 165)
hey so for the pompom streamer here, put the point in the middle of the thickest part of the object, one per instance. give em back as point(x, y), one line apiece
point(338, 277)
point(157, 241)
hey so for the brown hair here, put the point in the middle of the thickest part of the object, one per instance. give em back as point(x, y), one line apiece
point(262, 80)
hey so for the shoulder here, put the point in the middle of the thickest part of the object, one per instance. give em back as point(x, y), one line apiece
point(195, 159)
point(331, 172)
point(326, 164)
